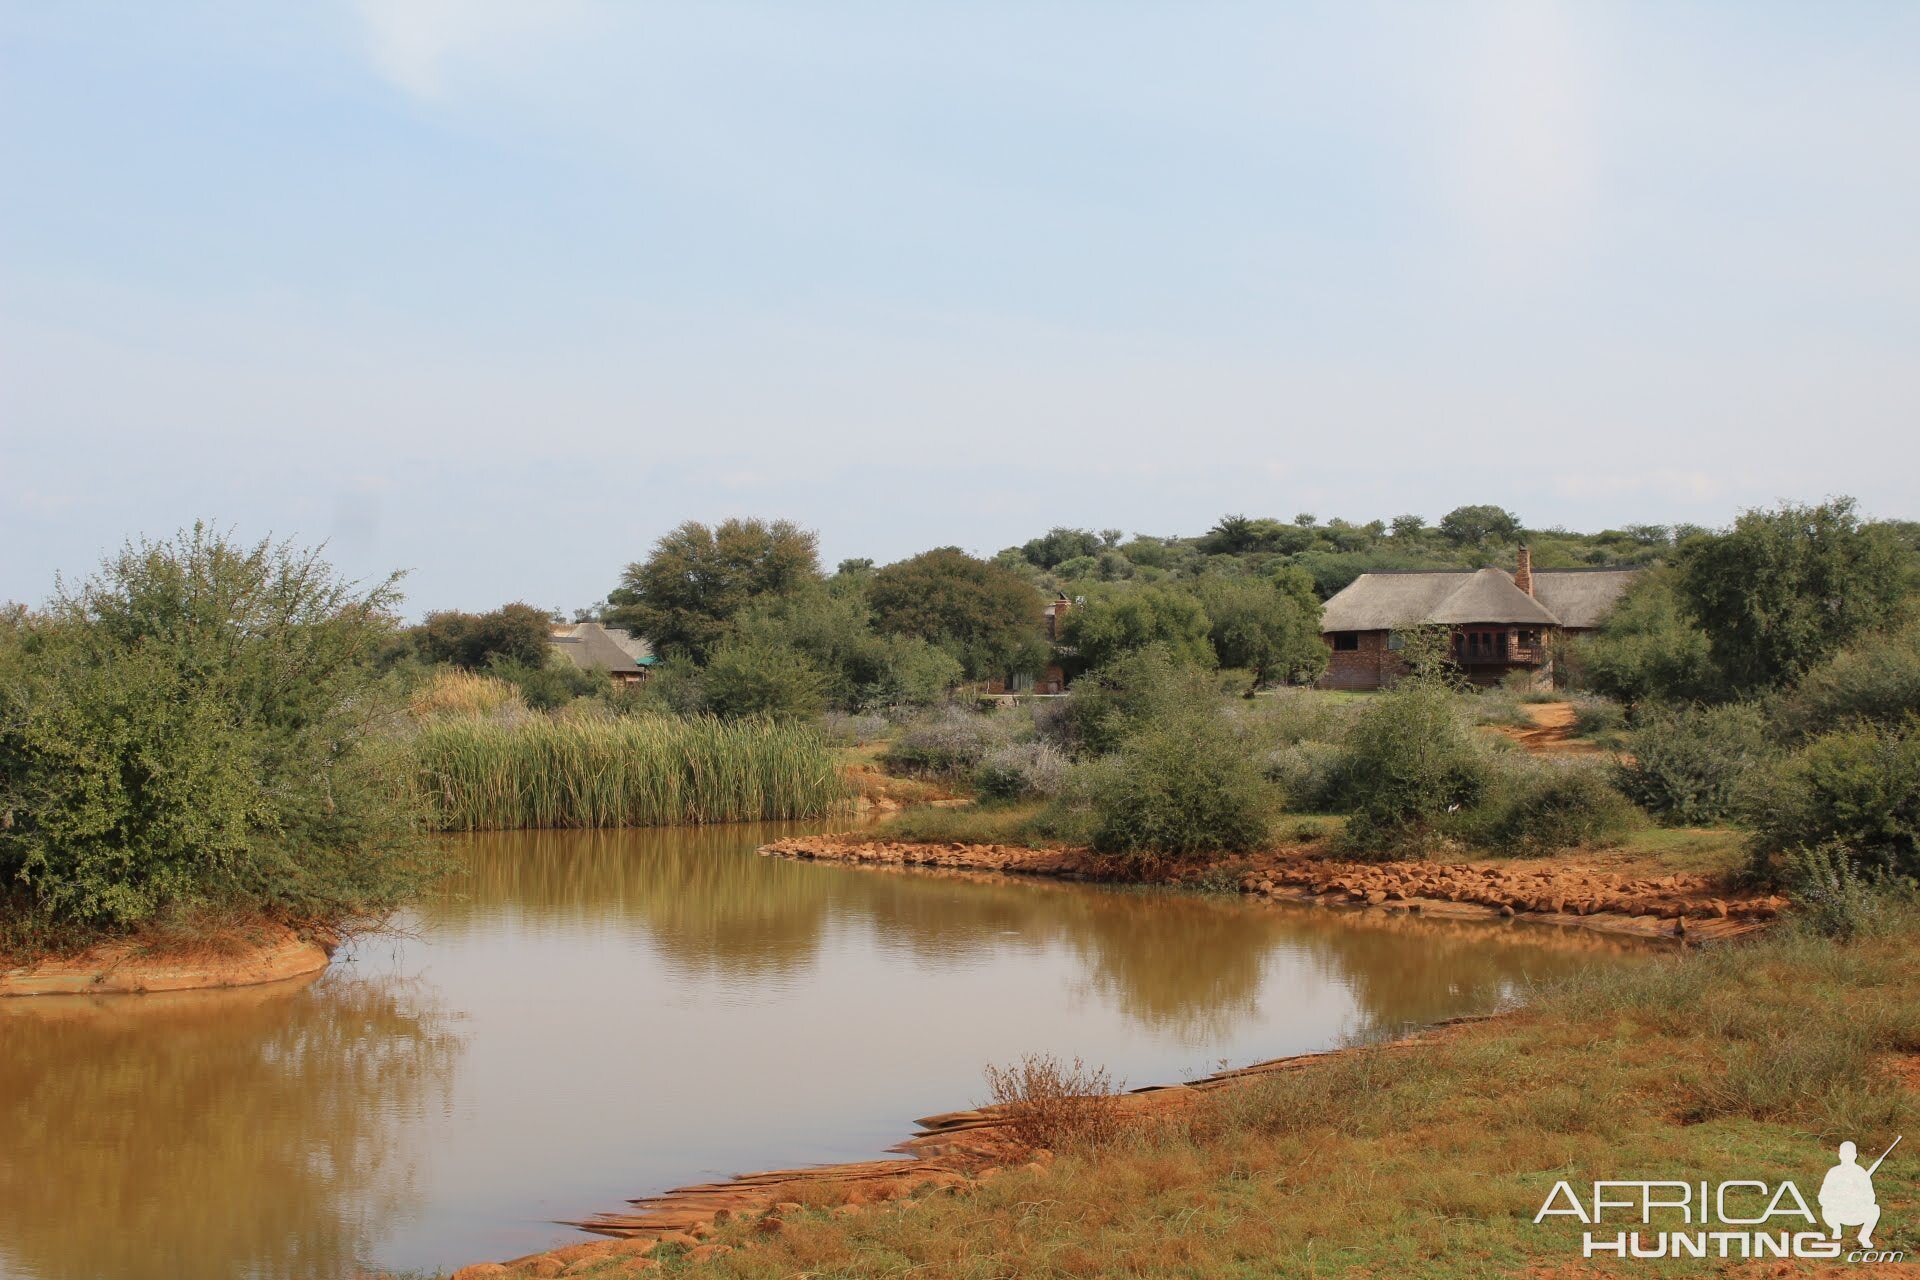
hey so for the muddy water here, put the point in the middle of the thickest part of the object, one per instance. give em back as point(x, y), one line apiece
point(590, 1017)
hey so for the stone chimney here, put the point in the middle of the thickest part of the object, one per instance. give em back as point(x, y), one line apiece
point(1523, 573)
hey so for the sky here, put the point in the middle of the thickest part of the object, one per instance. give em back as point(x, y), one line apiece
point(497, 293)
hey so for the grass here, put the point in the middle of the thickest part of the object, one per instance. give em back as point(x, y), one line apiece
point(643, 771)
point(1001, 823)
point(1430, 1160)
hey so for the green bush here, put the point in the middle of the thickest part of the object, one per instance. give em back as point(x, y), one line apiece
point(1021, 770)
point(1859, 788)
point(1308, 774)
point(1545, 807)
point(1691, 765)
point(1408, 762)
point(552, 684)
point(749, 677)
point(200, 725)
point(1876, 680)
point(1179, 786)
point(950, 742)
point(1595, 717)
point(1835, 899)
point(1140, 688)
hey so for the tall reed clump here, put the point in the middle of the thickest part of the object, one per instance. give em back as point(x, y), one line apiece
point(640, 771)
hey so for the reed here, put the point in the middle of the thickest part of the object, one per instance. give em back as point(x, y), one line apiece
point(644, 771)
point(463, 693)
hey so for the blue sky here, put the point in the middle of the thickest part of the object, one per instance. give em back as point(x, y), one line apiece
point(499, 292)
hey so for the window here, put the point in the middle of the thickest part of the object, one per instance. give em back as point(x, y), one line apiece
point(1346, 641)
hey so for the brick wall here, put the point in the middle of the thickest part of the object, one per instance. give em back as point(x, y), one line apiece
point(1368, 667)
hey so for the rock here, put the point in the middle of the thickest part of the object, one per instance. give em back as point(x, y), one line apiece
point(545, 1268)
point(1375, 897)
point(1506, 909)
point(479, 1271)
point(788, 1206)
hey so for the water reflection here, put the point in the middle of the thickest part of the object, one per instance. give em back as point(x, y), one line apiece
point(635, 1010)
point(229, 1133)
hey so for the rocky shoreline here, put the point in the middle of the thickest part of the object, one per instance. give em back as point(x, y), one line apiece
point(1693, 907)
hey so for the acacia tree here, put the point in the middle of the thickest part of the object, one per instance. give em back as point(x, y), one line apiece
point(1124, 620)
point(685, 596)
point(1470, 526)
point(1268, 627)
point(1784, 589)
point(982, 613)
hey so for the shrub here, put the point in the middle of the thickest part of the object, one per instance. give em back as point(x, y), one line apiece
point(1144, 687)
point(1876, 680)
point(1299, 715)
point(843, 730)
point(1020, 770)
point(552, 684)
point(157, 756)
point(1056, 1105)
point(1690, 765)
point(951, 742)
point(757, 678)
point(1308, 775)
point(1408, 761)
point(1544, 807)
point(1595, 717)
point(1835, 899)
point(1859, 788)
point(1179, 786)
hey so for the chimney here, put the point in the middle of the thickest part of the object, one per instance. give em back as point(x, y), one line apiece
point(1523, 575)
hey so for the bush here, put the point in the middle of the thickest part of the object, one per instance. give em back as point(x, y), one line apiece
point(1545, 807)
point(1408, 761)
point(1179, 786)
point(1308, 775)
point(1021, 770)
point(1876, 681)
point(552, 684)
point(951, 742)
point(747, 678)
point(156, 756)
point(1859, 788)
point(1057, 1105)
point(843, 730)
point(1835, 899)
point(1144, 687)
point(1691, 765)
point(1598, 717)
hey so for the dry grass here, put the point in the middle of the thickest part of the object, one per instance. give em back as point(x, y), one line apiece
point(1056, 1105)
point(463, 693)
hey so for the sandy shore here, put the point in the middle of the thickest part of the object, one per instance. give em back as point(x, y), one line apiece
point(271, 953)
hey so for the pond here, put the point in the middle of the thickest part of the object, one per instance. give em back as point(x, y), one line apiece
point(587, 1017)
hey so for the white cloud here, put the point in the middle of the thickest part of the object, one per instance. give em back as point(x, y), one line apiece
point(419, 44)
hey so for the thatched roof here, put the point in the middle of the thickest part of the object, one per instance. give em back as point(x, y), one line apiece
point(1581, 597)
point(592, 647)
point(1389, 601)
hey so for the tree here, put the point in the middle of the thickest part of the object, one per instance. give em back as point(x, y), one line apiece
point(1117, 621)
point(1650, 648)
point(1269, 628)
point(686, 594)
point(1785, 589)
point(1472, 526)
point(985, 615)
point(1409, 526)
point(1060, 544)
point(514, 633)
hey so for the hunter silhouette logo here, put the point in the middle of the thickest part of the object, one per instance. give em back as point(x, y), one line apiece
point(1742, 1218)
point(1846, 1195)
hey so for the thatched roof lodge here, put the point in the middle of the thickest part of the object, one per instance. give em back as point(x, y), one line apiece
point(1499, 622)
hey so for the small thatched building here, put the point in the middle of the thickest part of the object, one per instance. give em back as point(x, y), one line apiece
point(592, 647)
point(1498, 621)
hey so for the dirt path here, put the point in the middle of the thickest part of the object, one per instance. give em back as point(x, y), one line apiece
point(1552, 731)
